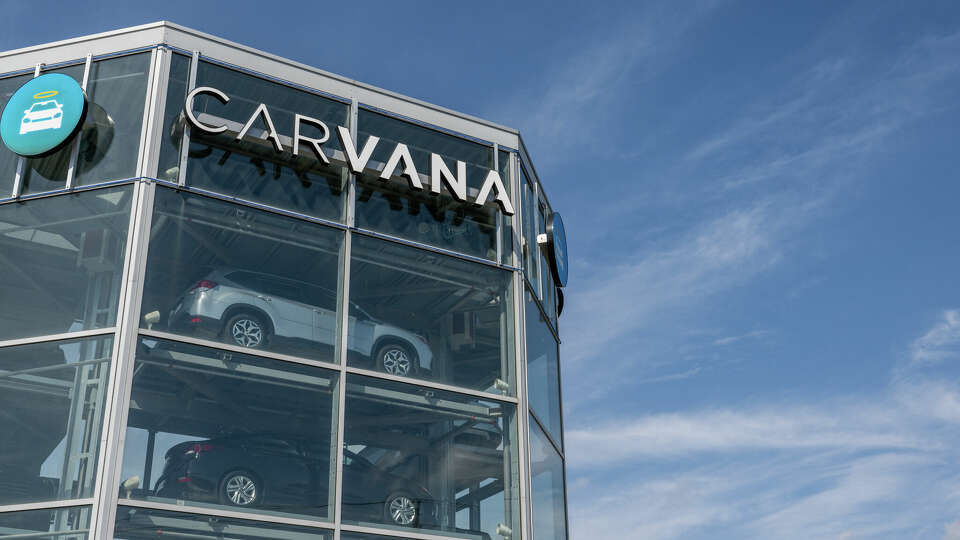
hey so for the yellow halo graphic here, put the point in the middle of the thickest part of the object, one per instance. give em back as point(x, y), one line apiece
point(48, 93)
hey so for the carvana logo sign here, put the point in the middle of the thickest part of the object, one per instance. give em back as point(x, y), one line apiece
point(42, 114)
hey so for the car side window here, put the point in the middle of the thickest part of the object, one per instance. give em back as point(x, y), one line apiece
point(245, 279)
point(272, 446)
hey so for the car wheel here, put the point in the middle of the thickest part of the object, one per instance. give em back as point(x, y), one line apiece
point(245, 330)
point(240, 488)
point(401, 509)
point(395, 360)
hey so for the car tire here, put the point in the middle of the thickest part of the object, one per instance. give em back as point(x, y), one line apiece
point(401, 509)
point(396, 359)
point(241, 488)
point(245, 330)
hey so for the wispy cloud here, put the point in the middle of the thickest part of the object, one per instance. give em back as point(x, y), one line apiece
point(729, 340)
point(858, 467)
point(942, 342)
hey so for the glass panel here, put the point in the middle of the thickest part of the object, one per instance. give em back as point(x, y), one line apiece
point(212, 428)
point(8, 160)
point(420, 314)
point(548, 289)
point(49, 172)
point(346, 535)
point(59, 524)
point(428, 459)
point(116, 97)
point(529, 229)
point(253, 169)
point(51, 412)
point(547, 487)
point(543, 371)
point(62, 260)
point(145, 523)
point(503, 165)
point(250, 278)
point(168, 167)
point(393, 208)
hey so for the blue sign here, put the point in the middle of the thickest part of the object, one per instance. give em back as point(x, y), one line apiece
point(42, 114)
point(557, 245)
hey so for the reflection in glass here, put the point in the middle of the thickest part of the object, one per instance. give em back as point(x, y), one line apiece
point(250, 278)
point(8, 160)
point(547, 487)
point(428, 459)
point(146, 523)
point(110, 141)
point(252, 169)
point(503, 166)
point(49, 172)
point(60, 524)
point(62, 260)
point(419, 314)
point(529, 228)
point(209, 427)
point(543, 370)
point(51, 412)
point(347, 535)
point(395, 209)
point(168, 164)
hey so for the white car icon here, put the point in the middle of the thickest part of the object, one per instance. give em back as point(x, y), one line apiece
point(42, 115)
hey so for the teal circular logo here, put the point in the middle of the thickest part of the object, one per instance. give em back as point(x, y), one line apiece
point(42, 114)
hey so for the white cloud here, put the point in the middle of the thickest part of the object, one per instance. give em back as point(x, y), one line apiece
point(941, 342)
point(674, 435)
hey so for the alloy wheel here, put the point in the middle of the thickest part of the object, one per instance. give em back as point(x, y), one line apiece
point(241, 490)
point(247, 332)
point(396, 361)
point(403, 510)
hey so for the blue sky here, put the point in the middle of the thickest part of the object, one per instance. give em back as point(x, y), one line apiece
point(762, 332)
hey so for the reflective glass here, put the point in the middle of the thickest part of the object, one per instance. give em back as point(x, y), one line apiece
point(347, 535)
point(428, 459)
point(548, 288)
point(51, 412)
point(543, 370)
point(168, 164)
point(419, 314)
point(529, 211)
point(547, 487)
point(8, 160)
point(506, 250)
point(145, 523)
point(116, 97)
point(394, 208)
point(49, 172)
point(62, 261)
point(252, 169)
point(209, 427)
point(219, 271)
point(59, 524)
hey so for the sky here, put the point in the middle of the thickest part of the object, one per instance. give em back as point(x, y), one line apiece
point(762, 329)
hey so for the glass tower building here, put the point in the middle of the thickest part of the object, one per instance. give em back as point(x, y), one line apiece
point(247, 298)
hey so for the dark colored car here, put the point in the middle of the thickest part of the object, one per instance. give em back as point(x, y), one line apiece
point(283, 473)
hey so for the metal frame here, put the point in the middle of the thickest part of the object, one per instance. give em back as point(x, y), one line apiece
point(164, 39)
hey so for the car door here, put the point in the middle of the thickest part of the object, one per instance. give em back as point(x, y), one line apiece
point(292, 316)
point(324, 315)
point(360, 328)
point(280, 465)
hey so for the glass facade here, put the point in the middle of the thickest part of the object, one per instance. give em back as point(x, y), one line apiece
point(207, 335)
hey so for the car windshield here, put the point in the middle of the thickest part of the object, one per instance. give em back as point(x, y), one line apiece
point(43, 106)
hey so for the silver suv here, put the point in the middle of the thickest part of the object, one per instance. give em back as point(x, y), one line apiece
point(256, 310)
